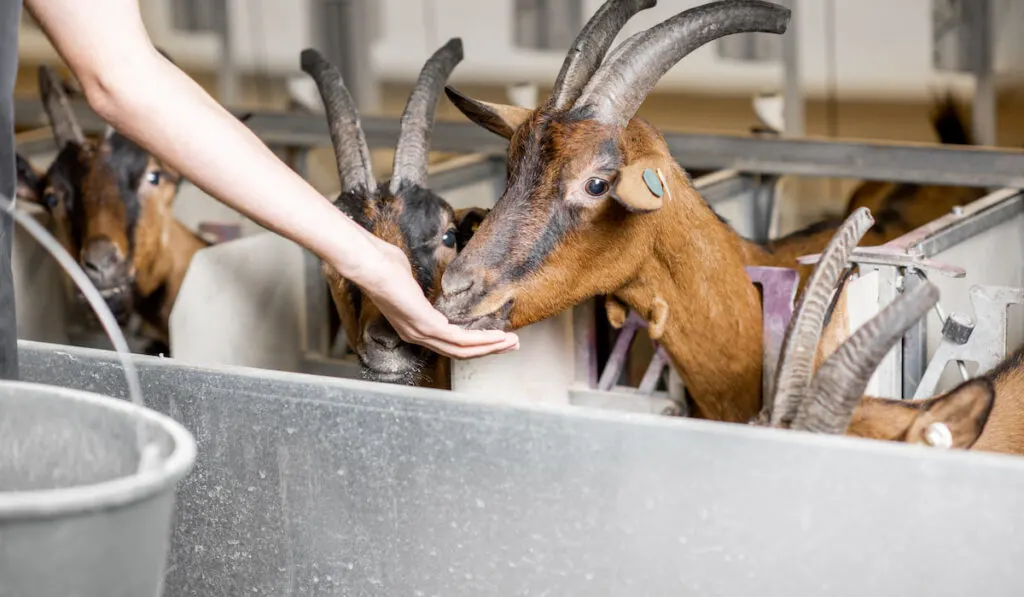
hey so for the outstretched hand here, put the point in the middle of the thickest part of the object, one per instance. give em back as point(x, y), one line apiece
point(395, 292)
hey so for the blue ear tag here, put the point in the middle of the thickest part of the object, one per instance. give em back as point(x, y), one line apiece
point(653, 182)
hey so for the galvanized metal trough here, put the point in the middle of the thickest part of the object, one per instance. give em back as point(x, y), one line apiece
point(315, 486)
point(77, 515)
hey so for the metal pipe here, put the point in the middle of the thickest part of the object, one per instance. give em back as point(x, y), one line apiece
point(935, 164)
point(983, 114)
point(8, 315)
point(793, 98)
point(227, 69)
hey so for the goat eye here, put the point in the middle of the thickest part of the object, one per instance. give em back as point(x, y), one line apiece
point(449, 239)
point(50, 199)
point(153, 177)
point(597, 187)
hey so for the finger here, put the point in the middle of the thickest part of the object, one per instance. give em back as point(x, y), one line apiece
point(457, 336)
point(471, 352)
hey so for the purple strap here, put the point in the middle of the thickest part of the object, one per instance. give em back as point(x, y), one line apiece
point(778, 286)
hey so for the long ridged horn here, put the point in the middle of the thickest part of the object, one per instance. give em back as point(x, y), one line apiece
point(590, 47)
point(804, 330)
point(410, 166)
point(350, 149)
point(618, 88)
point(58, 109)
point(841, 379)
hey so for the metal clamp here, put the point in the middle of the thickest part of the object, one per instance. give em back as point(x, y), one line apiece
point(894, 257)
point(983, 343)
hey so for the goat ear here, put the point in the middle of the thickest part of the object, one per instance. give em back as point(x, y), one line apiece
point(467, 221)
point(642, 185)
point(964, 411)
point(28, 180)
point(500, 119)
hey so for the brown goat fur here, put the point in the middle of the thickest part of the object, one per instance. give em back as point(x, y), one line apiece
point(984, 414)
point(581, 217)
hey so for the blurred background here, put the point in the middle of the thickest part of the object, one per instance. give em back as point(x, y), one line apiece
point(861, 68)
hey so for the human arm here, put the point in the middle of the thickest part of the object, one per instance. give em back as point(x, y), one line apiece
point(148, 99)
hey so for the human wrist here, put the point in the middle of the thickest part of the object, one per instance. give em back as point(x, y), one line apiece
point(359, 261)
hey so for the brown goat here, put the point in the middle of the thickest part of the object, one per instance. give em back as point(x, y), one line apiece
point(110, 205)
point(595, 205)
point(402, 212)
point(828, 398)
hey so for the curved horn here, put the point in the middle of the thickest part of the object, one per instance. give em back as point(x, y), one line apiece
point(841, 379)
point(804, 330)
point(619, 87)
point(410, 164)
point(590, 47)
point(350, 149)
point(58, 110)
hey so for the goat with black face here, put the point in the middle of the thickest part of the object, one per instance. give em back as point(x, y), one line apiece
point(110, 205)
point(401, 211)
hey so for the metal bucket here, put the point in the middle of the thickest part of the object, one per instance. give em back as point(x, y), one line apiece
point(77, 515)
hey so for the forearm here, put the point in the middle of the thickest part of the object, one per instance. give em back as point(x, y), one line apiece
point(149, 100)
point(220, 155)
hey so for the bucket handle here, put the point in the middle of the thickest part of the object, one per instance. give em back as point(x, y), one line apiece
point(148, 452)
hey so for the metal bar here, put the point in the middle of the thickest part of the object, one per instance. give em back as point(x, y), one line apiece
point(347, 368)
point(983, 113)
point(919, 163)
point(914, 345)
point(724, 185)
point(761, 207)
point(890, 371)
point(227, 69)
point(467, 171)
point(999, 207)
point(653, 373)
point(584, 331)
point(617, 360)
point(318, 341)
point(619, 398)
point(793, 98)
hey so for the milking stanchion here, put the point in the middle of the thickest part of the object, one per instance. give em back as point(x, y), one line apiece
point(10, 18)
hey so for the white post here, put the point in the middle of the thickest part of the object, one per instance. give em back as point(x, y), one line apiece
point(540, 371)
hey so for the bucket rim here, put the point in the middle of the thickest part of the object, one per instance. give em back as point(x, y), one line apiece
point(129, 489)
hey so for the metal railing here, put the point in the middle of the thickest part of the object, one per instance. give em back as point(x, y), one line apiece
point(749, 168)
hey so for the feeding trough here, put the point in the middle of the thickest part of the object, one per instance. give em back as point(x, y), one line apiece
point(80, 512)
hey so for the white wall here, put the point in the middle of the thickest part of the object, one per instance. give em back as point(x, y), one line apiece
point(882, 47)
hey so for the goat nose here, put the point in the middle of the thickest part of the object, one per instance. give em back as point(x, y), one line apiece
point(383, 335)
point(100, 260)
point(455, 282)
